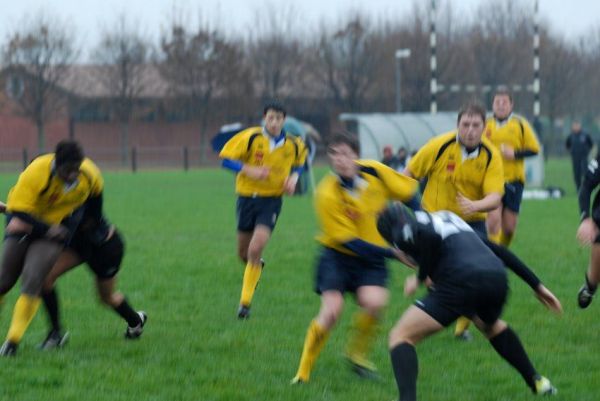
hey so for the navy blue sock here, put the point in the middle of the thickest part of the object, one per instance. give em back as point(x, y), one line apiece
point(406, 369)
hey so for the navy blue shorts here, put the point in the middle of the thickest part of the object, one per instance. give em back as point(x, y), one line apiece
point(483, 295)
point(252, 211)
point(479, 227)
point(513, 193)
point(346, 273)
point(104, 259)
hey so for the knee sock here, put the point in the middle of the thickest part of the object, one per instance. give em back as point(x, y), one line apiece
point(509, 347)
point(462, 324)
point(505, 239)
point(50, 299)
point(495, 238)
point(406, 368)
point(316, 336)
point(126, 312)
point(364, 331)
point(25, 309)
point(251, 277)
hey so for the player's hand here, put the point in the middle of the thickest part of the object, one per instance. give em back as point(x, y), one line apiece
point(404, 258)
point(587, 231)
point(57, 232)
point(256, 172)
point(410, 285)
point(2, 207)
point(467, 206)
point(508, 152)
point(289, 186)
point(549, 300)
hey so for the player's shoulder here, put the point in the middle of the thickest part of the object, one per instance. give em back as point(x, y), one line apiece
point(89, 168)
point(249, 132)
point(40, 165)
point(327, 187)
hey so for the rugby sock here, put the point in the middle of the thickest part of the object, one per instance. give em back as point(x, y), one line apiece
point(25, 309)
point(316, 336)
point(127, 313)
point(495, 238)
point(365, 328)
point(591, 287)
point(462, 324)
point(51, 304)
point(251, 277)
point(509, 347)
point(505, 239)
point(406, 368)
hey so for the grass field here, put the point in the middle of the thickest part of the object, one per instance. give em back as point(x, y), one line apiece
point(181, 268)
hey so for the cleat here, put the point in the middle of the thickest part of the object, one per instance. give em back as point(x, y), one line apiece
point(53, 340)
point(544, 387)
point(135, 332)
point(262, 263)
point(464, 336)
point(364, 368)
point(298, 380)
point(243, 312)
point(8, 349)
point(585, 296)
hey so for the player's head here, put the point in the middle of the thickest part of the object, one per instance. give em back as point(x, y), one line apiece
point(396, 224)
point(68, 157)
point(343, 150)
point(471, 123)
point(502, 104)
point(274, 115)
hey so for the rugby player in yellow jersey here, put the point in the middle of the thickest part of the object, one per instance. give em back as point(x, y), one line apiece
point(463, 170)
point(39, 221)
point(464, 176)
point(353, 252)
point(514, 137)
point(268, 163)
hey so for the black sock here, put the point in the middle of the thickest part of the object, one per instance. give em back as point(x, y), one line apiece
point(406, 368)
point(127, 313)
point(509, 347)
point(591, 287)
point(51, 303)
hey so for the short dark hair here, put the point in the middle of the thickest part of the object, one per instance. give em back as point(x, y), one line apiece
point(471, 108)
point(68, 151)
point(274, 105)
point(503, 91)
point(344, 137)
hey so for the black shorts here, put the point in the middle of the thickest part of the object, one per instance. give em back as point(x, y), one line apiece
point(341, 272)
point(252, 211)
point(104, 259)
point(479, 227)
point(482, 295)
point(513, 194)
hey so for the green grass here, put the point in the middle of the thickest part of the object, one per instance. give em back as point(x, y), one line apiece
point(181, 267)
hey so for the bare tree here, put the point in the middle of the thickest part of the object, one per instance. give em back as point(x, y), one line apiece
point(123, 58)
point(37, 57)
point(200, 66)
point(347, 63)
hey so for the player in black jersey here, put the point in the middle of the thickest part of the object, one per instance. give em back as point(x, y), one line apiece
point(466, 277)
point(98, 244)
point(588, 233)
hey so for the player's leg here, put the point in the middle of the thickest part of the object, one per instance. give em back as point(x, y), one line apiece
point(253, 269)
point(109, 296)
point(332, 303)
point(55, 337)
point(40, 257)
point(508, 345)
point(372, 299)
point(414, 325)
point(13, 255)
point(509, 226)
point(243, 241)
point(592, 277)
point(494, 224)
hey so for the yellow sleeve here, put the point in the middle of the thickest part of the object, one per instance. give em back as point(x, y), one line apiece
point(302, 152)
point(335, 223)
point(236, 148)
point(493, 181)
point(25, 193)
point(421, 163)
point(92, 171)
point(530, 141)
point(399, 186)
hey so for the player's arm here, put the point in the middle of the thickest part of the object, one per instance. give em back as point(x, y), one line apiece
point(531, 146)
point(515, 264)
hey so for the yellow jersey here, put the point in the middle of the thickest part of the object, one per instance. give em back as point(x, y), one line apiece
point(450, 170)
point(516, 132)
point(253, 147)
point(345, 214)
point(40, 193)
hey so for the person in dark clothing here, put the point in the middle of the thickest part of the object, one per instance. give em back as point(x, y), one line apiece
point(588, 233)
point(466, 277)
point(389, 158)
point(579, 144)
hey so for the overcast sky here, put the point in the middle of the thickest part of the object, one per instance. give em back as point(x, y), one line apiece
point(89, 17)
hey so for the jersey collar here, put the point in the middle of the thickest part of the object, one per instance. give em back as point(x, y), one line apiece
point(276, 142)
point(466, 155)
point(501, 123)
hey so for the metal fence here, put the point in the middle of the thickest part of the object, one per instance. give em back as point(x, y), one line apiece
point(132, 159)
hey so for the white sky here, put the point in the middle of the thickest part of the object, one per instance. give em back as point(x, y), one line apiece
point(89, 17)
